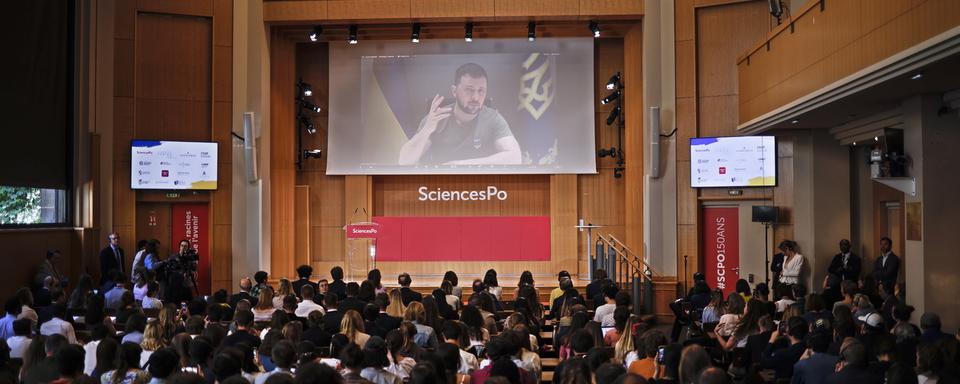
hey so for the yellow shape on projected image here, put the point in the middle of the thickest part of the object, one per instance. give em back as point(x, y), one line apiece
point(762, 181)
point(386, 136)
point(204, 185)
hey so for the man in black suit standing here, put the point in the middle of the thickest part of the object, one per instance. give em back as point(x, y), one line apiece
point(406, 294)
point(845, 264)
point(337, 287)
point(111, 257)
point(304, 272)
point(776, 266)
point(886, 268)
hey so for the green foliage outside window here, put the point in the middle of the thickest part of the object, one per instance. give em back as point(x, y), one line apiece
point(19, 205)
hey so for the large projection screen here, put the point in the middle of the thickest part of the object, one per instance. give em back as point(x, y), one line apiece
point(493, 106)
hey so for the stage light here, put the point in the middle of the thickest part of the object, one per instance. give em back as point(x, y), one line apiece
point(603, 152)
point(468, 32)
point(352, 38)
point(315, 35)
point(614, 82)
point(310, 106)
point(917, 76)
point(876, 138)
point(611, 97)
point(531, 31)
point(595, 28)
point(415, 36)
point(795, 121)
point(307, 125)
point(304, 88)
point(312, 153)
point(613, 115)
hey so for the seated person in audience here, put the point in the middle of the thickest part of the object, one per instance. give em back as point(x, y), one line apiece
point(244, 332)
point(848, 289)
point(815, 309)
point(713, 310)
point(375, 354)
point(558, 291)
point(604, 313)
point(315, 332)
point(454, 333)
point(620, 316)
point(162, 364)
point(112, 298)
point(263, 309)
point(482, 301)
point(762, 293)
point(731, 315)
point(11, 309)
point(816, 364)
point(57, 324)
point(647, 348)
point(70, 365)
point(333, 316)
point(194, 326)
point(45, 370)
point(20, 341)
point(852, 367)
point(581, 341)
point(245, 286)
point(426, 337)
point(134, 328)
point(306, 306)
point(259, 282)
point(871, 329)
point(930, 329)
point(351, 301)
point(757, 342)
point(496, 350)
point(566, 300)
point(284, 356)
point(337, 286)
point(284, 288)
point(406, 294)
point(303, 273)
point(781, 360)
point(150, 300)
point(26, 305)
point(42, 296)
point(748, 324)
point(290, 304)
point(351, 326)
point(384, 321)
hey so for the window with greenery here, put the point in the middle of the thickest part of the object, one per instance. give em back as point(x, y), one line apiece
point(32, 206)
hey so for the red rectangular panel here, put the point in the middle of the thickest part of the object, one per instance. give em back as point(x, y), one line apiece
point(456, 238)
point(190, 222)
point(721, 247)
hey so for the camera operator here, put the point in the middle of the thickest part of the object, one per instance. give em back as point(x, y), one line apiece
point(177, 274)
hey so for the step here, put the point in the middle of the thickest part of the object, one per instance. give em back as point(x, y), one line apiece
point(546, 377)
point(550, 363)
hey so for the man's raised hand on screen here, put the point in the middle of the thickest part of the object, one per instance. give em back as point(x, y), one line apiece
point(436, 114)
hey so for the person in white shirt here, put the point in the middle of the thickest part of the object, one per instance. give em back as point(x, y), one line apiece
point(21, 340)
point(792, 263)
point(307, 305)
point(57, 325)
point(604, 313)
point(112, 299)
point(11, 307)
point(455, 332)
point(150, 301)
point(375, 359)
point(138, 260)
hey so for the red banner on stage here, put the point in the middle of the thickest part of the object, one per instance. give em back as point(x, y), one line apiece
point(478, 238)
point(363, 231)
point(190, 222)
point(721, 247)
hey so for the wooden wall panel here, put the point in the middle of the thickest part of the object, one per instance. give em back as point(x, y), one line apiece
point(456, 9)
point(292, 11)
point(611, 7)
point(282, 145)
point(178, 7)
point(826, 46)
point(563, 218)
point(174, 66)
point(368, 9)
point(527, 8)
point(302, 222)
point(633, 142)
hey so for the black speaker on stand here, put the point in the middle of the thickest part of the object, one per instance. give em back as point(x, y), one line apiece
point(768, 215)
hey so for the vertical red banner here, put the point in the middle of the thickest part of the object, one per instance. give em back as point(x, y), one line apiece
point(721, 247)
point(190, 222)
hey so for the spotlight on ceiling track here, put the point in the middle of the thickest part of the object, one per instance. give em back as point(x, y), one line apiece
point(315, 34)
point(312, 153)
point(610, 98)
point(415, 35)
point(531, 31)
point(794, 121)
point(304, 88)
point(613, 115)
point(352, 38)
point(614, 82)
point(917, 76)
point(595, 29)
point(468, 32)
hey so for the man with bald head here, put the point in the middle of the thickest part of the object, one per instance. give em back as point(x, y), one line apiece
point(845, 265)
point(245, 286)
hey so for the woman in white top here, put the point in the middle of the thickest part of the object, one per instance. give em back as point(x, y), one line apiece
point(283, 289)
point(792, 263)
point(264, 309)
point(728, 322)
point(493, 286)
point(451, 276)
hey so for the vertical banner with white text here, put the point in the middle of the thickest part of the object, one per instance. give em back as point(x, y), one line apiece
point(190, 222)
point(721, 247)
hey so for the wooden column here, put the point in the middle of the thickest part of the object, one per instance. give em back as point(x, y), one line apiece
point(633, 144)
point(282, 155)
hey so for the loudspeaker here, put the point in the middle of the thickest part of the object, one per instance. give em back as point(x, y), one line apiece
point(765, 214)
point(250, 147)
point(654, 142)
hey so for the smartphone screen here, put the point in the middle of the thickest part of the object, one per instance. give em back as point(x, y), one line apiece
point(660, 351)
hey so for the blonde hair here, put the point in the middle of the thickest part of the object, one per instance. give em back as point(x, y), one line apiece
point(396, 307)
point(153, 337)
point(415, 312)
point(626, 342)
point(265, 301)
point(168, 322)
point(285, 287)
point(351, 325)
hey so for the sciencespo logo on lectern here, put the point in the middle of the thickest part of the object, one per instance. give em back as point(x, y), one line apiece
point(438, 194)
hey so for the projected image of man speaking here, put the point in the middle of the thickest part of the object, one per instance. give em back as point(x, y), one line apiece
point(466, 132)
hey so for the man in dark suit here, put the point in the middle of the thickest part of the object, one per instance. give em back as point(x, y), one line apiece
point(111, 257)
point(304, 272)
point(352, 302)
point(245, 286)
point(845, 264)
point(337, 287)
point(887, 267)
point(820, 364)
point(595, 288)
point(331, 320)
point(406, 294)
point(776, 266)
point(384, 321)
point(853, 365)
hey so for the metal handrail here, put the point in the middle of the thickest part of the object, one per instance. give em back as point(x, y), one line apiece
point(624, 251)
